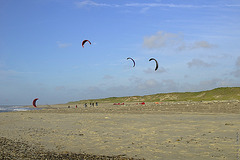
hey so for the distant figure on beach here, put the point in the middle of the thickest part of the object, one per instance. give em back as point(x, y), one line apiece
point(85, 105)
point(76, 106)
point(96, 103)
point(93, 104)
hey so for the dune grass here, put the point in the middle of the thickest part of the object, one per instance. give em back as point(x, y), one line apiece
point(223, 93)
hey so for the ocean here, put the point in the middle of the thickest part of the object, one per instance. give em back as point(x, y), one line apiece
point(15, 108)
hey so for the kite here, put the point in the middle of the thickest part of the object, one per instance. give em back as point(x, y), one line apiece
point(156, 63)
point(83, 42)
point(132, 60)
point(34, 102)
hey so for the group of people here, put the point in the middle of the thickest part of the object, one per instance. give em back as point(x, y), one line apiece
point(91, 104)
point(85, 105)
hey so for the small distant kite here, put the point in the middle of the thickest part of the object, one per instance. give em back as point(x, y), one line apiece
point(132, 60)
point(34, 102)
point(155, 61)
point(83, 42)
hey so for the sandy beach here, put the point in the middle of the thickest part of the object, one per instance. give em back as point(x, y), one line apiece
point(169, 130)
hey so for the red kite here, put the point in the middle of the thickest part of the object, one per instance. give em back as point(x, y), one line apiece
point(34, 102)
point(83, 42)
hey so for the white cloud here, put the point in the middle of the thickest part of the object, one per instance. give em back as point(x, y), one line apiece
point(144, 10)
point(208, 84)
point(135, 79)
point(151, 70)
point(63, 45)
point(150, 83)
point(162, 5)
point(162, 39)
point(232, 5)
point(7, 73)
point(172, 40)
point(238, 62)
point(151, 5)
point(212, 83)
point(95, 4)
point(108, 77)
point(236, 73)
point(172, 5)
point(60, 88)
point(2, 64)
point(195, 45)
point(151, 86)
point(198, 63)
point(229, 83)
point(201, 44)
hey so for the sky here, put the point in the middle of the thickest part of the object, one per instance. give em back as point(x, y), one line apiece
point(196, 43)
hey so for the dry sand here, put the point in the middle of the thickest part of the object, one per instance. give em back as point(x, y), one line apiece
point(182, 130)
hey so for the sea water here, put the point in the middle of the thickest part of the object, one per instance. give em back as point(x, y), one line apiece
point(15, 108)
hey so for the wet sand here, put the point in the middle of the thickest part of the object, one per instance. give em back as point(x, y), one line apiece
point(182, 130)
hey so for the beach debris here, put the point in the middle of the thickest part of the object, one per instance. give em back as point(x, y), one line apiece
point(118, 103)
point(155, 61)
point(84, 41)
point(179, 139)
point(132, 60)
point(230, 124)
point(141, 103)
point(34, 102)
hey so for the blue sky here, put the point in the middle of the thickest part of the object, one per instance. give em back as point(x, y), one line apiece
point(195, 42)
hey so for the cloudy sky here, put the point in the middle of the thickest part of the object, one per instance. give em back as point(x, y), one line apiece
point(195, 42)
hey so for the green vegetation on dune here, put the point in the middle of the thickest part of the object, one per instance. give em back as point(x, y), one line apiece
point(224, 93)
